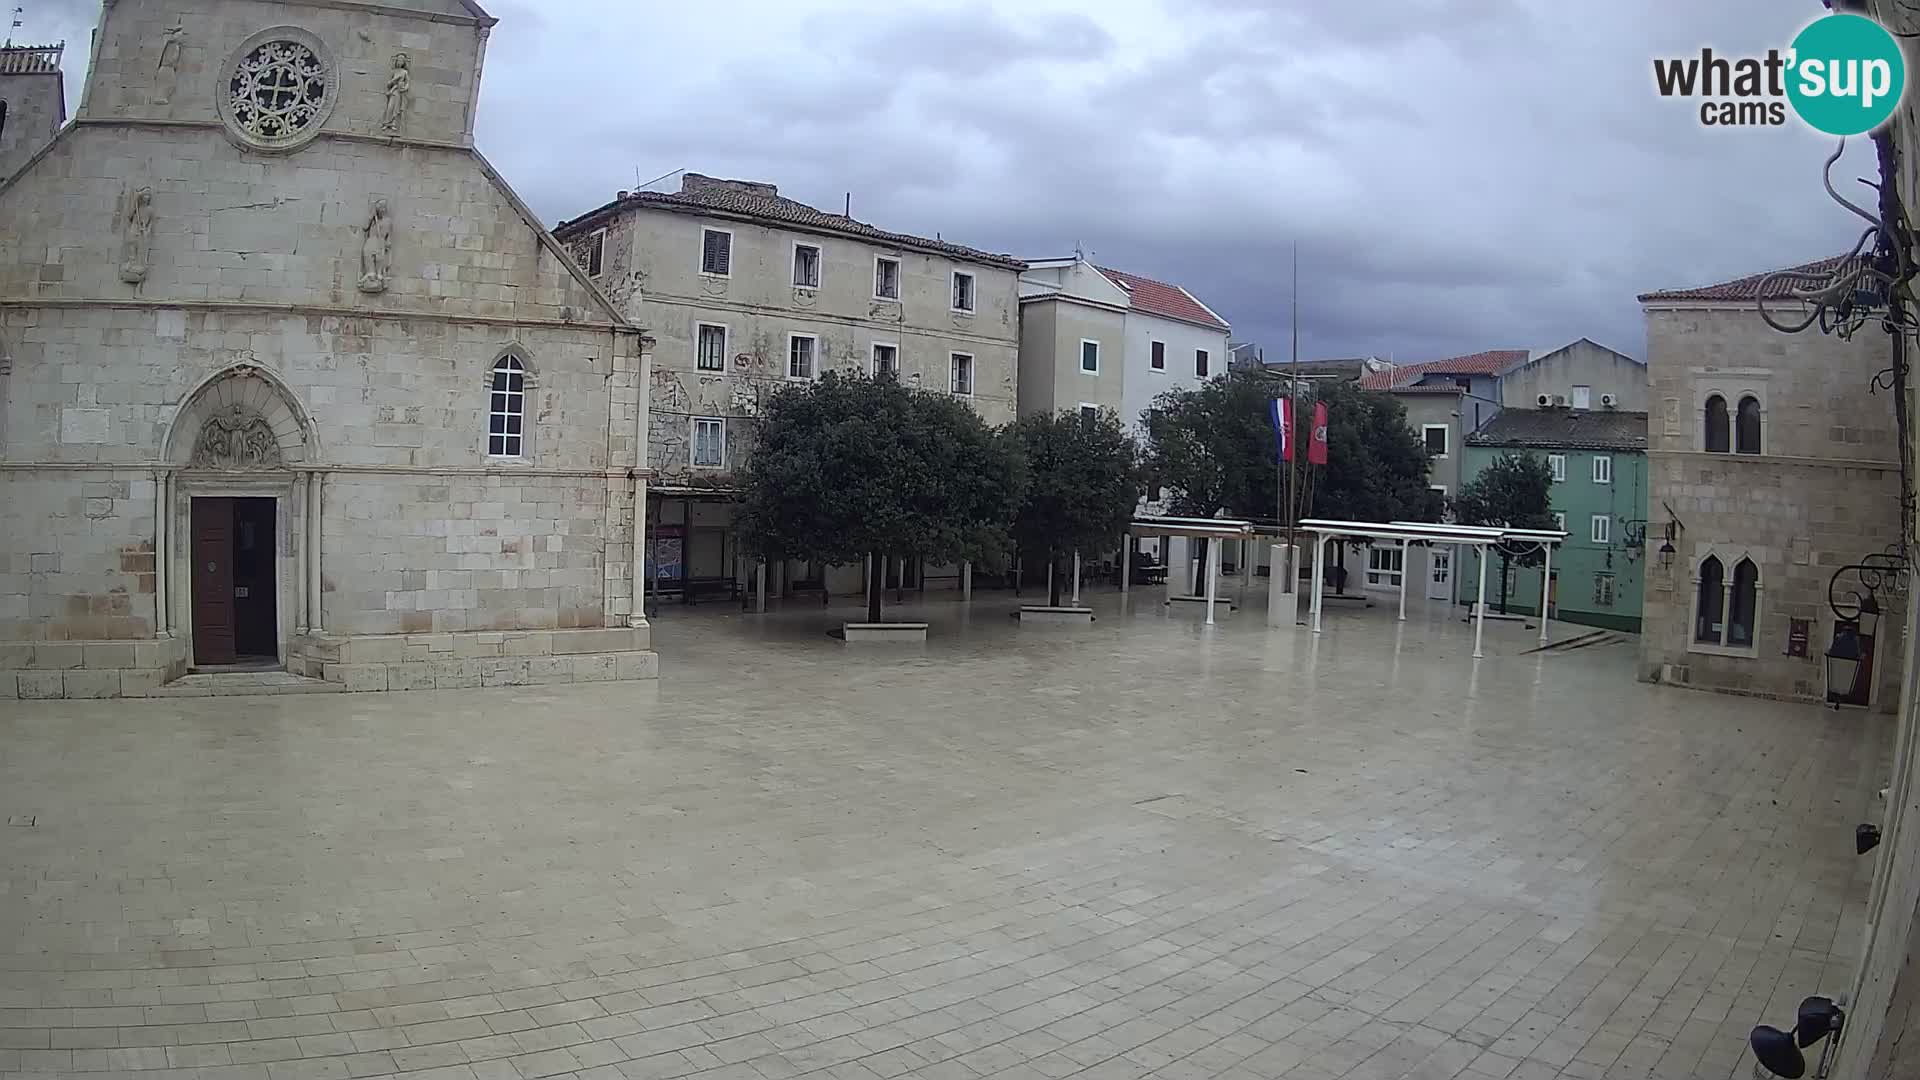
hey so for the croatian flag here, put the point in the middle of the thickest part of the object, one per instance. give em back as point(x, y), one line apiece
point(1280, 411)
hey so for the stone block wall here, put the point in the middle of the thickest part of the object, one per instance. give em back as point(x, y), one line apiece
point(423, 553)
point(129, 80)
point(1823, 493)
point(84, 569)
point(450, 661)
point(35, 110)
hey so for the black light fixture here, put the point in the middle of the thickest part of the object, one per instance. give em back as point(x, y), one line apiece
point(1865, 838)
point(1844, 658)
point(1779, 1052)
point(1869, 619)
point(1666, 543)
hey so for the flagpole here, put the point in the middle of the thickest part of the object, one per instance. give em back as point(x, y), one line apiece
point(1291, 487)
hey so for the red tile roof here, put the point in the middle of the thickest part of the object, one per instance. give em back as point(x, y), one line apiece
point(1160, 298)
point(1490, 362)
point(1747, 289)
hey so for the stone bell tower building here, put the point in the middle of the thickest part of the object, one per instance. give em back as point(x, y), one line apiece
point(290, 378)
point(33, 102)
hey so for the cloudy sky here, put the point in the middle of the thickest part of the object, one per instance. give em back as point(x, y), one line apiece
point(1458, 174)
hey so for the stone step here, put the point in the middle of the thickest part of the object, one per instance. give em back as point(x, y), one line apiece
point(245, 683)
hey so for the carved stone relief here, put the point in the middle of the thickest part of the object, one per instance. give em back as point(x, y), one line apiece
point(399, 89)
point(166, 76)
point(236, 440)
point(136, 240)
point(376, 250)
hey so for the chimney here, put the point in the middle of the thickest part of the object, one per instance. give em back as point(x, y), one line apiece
point(622, 196)
point(697, 184)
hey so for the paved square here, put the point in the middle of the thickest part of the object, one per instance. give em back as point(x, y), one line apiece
point(1141, 848)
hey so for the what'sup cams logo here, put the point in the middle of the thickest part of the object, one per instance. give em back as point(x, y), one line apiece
point(1843, 75)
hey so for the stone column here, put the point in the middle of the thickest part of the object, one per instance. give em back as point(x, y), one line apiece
point(162, 512)
point(637, 612)
point(316, 496)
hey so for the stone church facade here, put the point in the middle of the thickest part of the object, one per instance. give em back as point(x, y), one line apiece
point(290, 377)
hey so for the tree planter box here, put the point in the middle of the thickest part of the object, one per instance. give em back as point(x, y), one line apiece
point(1220, 603)
point(888, 632)
point(1056, 614)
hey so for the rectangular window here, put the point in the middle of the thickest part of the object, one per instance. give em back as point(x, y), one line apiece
point(596, 253)
point(1436, 438)
point(1200, 360)
point(1603, 470)
point(886, 360)
point(1159, 361)
point(1090, 357)
point(886, 278)
point(1583, 397)
point(1603, 590)
point(1558, 463)
point(1602, 529)
point(709, 443)
point(962, 291)
point(1384, 566)
point(710, 352)
point(800, 348)
point(961, 366)
point(1560, 521)
point(806, 266)
point(716, 252)
point(1089, 414)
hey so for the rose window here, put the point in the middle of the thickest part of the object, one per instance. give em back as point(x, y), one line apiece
point(278, 90)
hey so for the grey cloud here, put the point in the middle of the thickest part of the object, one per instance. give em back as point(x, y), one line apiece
point(1459, 174)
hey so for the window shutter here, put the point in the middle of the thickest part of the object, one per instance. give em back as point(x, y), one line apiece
point(718, 257)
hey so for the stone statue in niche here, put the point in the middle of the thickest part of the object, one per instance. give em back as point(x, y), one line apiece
point(234, 440)
point(376, 250)
point(166, 75)
point(399, 86)
point(136, 241)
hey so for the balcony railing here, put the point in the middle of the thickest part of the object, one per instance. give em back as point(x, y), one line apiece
point(31, 59)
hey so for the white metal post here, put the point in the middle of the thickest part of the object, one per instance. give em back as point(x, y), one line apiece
point(1319, 575)
point(1403, 580)
point(966, 581)
point(1076, 579)
point(1546, 580)
point(760, 587)
point(1213, 576)
point(1168, 545)
point(1126, 565)
point(1480, 605)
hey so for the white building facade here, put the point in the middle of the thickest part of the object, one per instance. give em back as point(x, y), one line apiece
point(1095, 337)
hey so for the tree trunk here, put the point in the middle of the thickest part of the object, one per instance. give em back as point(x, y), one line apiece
point(1503, 583)
point(876, 585)
point(1053, 562)
point(1339, 569)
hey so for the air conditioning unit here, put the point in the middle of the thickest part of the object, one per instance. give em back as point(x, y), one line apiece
point(1608, 401)
point(1559, 401)
point(1545, 401)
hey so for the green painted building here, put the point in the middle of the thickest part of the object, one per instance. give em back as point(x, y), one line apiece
point(1599, 461)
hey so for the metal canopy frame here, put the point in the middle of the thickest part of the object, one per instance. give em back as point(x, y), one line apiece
point(1221, 529)
point(1411, 532)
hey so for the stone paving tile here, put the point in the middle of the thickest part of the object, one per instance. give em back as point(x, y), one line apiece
point(1140, 849)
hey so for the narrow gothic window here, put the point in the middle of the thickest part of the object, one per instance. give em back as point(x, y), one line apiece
point(1746, 426)
point(506, 435)
point(1718, 439)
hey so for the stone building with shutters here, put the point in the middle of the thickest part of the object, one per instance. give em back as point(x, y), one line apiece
point(747, 291)
point(1772, 465)
point(295, 381)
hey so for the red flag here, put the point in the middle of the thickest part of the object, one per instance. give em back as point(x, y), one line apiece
point(1317, 444)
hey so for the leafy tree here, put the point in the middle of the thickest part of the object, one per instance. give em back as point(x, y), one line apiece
point(1376, 465)
point(849, 466)
point(1083, 483)
point(1214, 446)
point(1514, 492)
